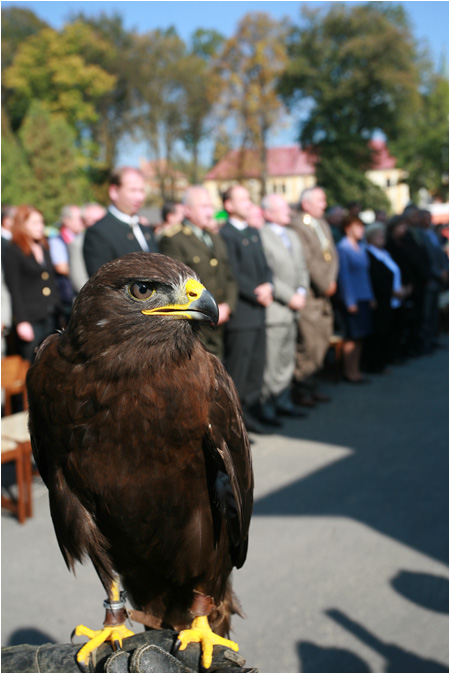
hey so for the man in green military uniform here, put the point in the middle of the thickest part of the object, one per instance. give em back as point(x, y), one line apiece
point(194, 243)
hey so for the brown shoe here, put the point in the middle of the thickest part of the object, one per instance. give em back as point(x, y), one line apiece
point(303, 401)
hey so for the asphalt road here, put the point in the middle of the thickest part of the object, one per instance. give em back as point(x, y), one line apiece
point(347, 566)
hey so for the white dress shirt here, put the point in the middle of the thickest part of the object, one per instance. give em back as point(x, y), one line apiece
point(133, 222)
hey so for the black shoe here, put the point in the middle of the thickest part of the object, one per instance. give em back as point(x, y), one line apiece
point(321, 398)
point(253, 426)
point(290, 411)
point(267, 414)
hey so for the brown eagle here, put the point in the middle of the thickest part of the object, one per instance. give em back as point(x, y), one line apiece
point(137, 432)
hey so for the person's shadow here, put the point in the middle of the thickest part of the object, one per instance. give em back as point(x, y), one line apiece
point(314, 658)
point(387, 480)
point(424, 589)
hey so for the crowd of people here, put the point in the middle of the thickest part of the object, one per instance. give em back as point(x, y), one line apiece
point(285, 277)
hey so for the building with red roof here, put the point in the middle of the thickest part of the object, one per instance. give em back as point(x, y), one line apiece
point(159, 172)
point(290, 170)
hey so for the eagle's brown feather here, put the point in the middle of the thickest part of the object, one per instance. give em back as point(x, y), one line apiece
point(138, 434)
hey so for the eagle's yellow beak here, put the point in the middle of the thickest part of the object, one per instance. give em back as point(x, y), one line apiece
point(200, 305)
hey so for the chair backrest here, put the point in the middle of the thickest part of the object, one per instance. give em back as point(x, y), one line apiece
point(14, 372)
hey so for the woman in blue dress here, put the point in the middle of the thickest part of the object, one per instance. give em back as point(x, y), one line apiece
point(355, 295)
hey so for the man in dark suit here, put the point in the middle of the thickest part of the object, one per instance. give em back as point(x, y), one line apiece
point(193, 243)
point(245, 343)
point(119, 232)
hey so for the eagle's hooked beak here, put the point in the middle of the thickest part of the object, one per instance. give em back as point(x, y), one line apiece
point(200, 305)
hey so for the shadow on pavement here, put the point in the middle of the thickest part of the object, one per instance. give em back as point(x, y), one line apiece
point(396, 478)
point(397, 659)
point(29, 635)
point(424, 589)
point(314, 658)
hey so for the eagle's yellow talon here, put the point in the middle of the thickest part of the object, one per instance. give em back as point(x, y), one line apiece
point(97, 637)
point(201, 632)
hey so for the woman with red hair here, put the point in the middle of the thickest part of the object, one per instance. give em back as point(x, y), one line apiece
point(30, 278)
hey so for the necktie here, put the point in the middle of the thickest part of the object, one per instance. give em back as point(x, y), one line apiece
point(207, 239)
point(137, 231)
point(285, 239)
point(202, 235)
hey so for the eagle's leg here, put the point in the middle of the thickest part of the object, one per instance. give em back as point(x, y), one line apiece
point(201, 632)
point(114, 629)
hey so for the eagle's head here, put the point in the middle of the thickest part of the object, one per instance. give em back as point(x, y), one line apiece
point(138, 301)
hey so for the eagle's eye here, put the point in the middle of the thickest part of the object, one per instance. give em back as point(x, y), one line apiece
point(141, 290)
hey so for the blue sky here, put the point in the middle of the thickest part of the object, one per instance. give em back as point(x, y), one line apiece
point(429, 22)
point(429, 19)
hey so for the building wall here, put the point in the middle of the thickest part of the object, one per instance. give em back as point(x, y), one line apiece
point(389, 181)
point(291, 187)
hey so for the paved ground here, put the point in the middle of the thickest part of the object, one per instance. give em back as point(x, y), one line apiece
point(347, 567)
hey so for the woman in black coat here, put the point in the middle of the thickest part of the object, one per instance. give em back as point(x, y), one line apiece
point(390, 291)
point(30, 278)
point(406, 318)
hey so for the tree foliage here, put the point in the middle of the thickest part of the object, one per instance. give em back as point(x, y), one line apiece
point(16, 172)
point(345, 183)
point(116, 106)
point(350, 69)
point(44, 164)
point(356, 68)
point(160, 93)
point(59, 69)
point(423, 146)
point(17, 25)
point(248, 65)
point(175, 94)
point(201, 92)
point(50, 67)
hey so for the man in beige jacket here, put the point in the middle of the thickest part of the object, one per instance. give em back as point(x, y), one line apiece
point(285, 258)
point(316, 325)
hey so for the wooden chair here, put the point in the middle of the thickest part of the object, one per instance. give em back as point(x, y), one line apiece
point(16, 446)
point(14, 370)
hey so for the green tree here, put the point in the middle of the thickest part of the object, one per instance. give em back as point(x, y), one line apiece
point(200, 92)
point(423, 148)
point(249, 65)
point(354, 70)
point(222, 145)
point(116, 106)
point(344, 183)
point(54, 177)
point(49, 67)
point(15, 169)
point(206, 43)
point(160, 92)
point(17, 25)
